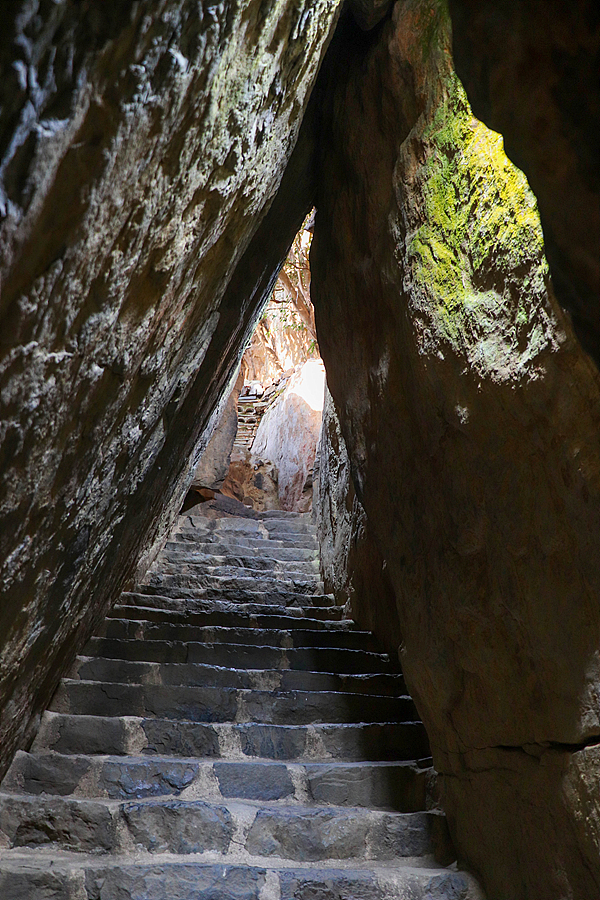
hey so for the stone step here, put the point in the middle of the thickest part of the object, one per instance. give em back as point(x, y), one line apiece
point(158, 825)
point(198, 575)
point(312, 659)
point(29, 875)
point(278, 596)
point(156, 601)
point(232, 564)
point(233, 584)
point(242, 542)
point(401, 787)
point(270, 549)
point(230, 618)
point(131, 672)
point(167, 737)
point(218, 704)
point(299, 637)
point(266, 526)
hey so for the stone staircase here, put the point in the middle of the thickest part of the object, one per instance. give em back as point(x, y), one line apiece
point(228, 736)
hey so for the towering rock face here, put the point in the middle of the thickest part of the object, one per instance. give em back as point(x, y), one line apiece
point(351, 563)
point(532, 73)
point(472, 421)
point(141, 145)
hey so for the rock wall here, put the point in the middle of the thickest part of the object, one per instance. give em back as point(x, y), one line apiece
point(531, 72)
point(289, 430)
point(352, 566)
point(141, 147)
point(472, 421)
point(211, 471)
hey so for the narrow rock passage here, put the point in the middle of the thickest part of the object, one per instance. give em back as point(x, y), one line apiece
point(228, 736)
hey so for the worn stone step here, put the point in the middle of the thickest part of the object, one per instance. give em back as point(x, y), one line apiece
point(265, 525)
point(313, 659)
point(268, 528)
point(159, 825)
point(156, 601)
point(397, 786)
point(131, 672)
point(167, 737)
point(266, 594)
point(235, 566)
point(232, 584)
point(271, 551)
point(217, 704)
point(221, 564)
point(31, 875)
point(142, 629)
point(229, 618)
point(242, 542)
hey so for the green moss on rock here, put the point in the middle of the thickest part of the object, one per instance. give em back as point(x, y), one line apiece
point(475, 247)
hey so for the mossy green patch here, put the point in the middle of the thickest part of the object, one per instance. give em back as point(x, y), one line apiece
point(474, 242)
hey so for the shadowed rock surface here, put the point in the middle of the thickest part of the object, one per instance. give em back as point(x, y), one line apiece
point(352, 566)
point(471, 417)
point(141, 146)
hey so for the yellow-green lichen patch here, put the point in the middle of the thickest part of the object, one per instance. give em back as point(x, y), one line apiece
point(474, 245)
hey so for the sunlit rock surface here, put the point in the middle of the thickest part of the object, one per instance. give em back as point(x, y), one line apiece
point(472, 421)
point(141, 145)
point(289, 430)
point(532, 72)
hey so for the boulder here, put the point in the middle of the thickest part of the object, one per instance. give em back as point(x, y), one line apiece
point(145, 215)
point(289, 430)
point(471, 416)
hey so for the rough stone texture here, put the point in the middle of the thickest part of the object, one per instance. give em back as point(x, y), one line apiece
point(251, 481)
point(157, 820)
point(141, 145)
point(289, 430)
point(212, 469)
point(531, 72)
point(472, 420)
point(352, 566)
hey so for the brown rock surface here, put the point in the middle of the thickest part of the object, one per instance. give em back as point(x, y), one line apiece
point(472, 421)
point(141, 145)
point(352, 566)
point(532, 72)
point(289, 430)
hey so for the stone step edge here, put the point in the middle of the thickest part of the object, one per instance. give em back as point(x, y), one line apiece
point(251, 629)
point(186, 617)
point(134, 727)
point(422, 866)
point(269, 693)
point(238, 806)
point(209, 667)
point(210, 761)
point(204, 604)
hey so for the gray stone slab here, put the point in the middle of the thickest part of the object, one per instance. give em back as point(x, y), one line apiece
point(81, 825)
point(178, 826)
point(337, 833)
point(217, 704)
point(254, 781)
point(231, 618)
point(317, 659)
point(132, 672)
point(335, 637)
